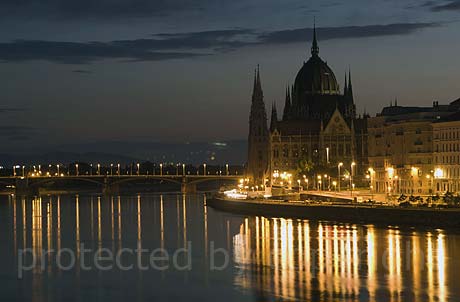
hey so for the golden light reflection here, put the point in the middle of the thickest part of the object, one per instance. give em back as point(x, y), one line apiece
point(37, 243)
point(184, 217)
point(371, 263)
point(162, 226)
point(119, 222)
point(329, 263)
point(77, 225)
point(441, 257)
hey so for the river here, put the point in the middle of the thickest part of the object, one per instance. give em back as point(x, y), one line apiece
point(171, 247)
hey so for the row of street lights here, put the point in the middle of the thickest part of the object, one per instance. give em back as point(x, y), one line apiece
point(118, 170)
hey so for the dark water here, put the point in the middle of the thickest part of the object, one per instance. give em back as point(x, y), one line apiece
point(173, 248)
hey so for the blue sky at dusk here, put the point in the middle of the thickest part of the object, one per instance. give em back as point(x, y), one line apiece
point(181, 70)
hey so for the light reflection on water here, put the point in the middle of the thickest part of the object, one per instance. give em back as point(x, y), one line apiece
point(333, 262)
point(271, 258)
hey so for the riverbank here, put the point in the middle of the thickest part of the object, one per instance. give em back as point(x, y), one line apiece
point(351, 213)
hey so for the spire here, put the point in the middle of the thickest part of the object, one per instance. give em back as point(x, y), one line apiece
point(258, 84)
point(257, 93)
point(287, 105)
point(350, 87)
point(314, 46)
point(274, 118)
point(345, 89)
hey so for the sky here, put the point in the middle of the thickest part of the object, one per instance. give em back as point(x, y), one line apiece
point(76, 72)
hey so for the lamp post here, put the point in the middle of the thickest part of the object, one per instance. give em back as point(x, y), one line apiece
point(204, 169)
point(58, 169)
point(298, 181)
point(183, 169)
point(76, 168)
point(351, 177)
point(23, 171)
point(118, 169)
point(98, 169)
point(161, 169)
point(138, 169)
point(338, 175)
point(327, 155)
point(226, 169)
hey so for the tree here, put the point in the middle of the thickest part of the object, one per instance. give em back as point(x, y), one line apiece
point(448, 198)
point(304, 167)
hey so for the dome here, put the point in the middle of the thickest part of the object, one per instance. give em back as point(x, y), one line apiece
point(315, 77)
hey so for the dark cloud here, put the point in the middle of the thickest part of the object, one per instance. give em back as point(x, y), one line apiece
point(446, 6)
point(184, 45)
point(330, 33)
point(82, 71)
point(14, 132)
point(83, 53)
point(79, 9)
point(7, 110)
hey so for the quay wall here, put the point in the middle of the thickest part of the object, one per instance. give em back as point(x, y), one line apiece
point(378, 215)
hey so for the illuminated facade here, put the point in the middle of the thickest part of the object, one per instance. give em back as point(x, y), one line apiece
point(404, 150)
point(318, 124)
point(446, 154)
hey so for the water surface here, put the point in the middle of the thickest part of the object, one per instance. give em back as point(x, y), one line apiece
point(269, 259)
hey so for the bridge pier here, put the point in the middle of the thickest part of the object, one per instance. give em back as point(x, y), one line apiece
point(188, 188)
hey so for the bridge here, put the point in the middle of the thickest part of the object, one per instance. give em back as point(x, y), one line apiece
point(108, 183)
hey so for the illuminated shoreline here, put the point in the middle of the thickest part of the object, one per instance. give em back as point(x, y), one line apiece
point(380, 215)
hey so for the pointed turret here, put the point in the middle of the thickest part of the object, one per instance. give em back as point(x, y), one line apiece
point(345, 88)
point(258, 134)
point(287, 105)
point(350, 87)
point(274, 118)
point(314, 45)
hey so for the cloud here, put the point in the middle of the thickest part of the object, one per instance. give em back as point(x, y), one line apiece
point(16, 132)
point(83, 52)
point(184, 45)
point(7, 110)
point(448, 6)
point(346, 32)
point(81, 9)
point(82, 71)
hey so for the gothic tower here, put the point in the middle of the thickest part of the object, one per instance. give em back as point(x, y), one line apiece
point(258, 135)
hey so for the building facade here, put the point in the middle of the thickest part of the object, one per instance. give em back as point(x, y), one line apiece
point(410, 152)
point(446, 154)
point(318, 125)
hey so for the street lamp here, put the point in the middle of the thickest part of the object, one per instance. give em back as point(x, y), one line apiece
point(138, 169)
point(58, 169)
point(98, 169)
point(351, 176)
point(327, 155)
point(23, 171)
point(338, 175)
point(118, 169)
point(226, 169)
point(204, 169)
point(298, 181)
point(111, 169)
point(76, 168)
point(161, 169)
point(183, 169)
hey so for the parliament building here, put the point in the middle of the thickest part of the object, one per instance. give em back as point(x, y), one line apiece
point(318, 124)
